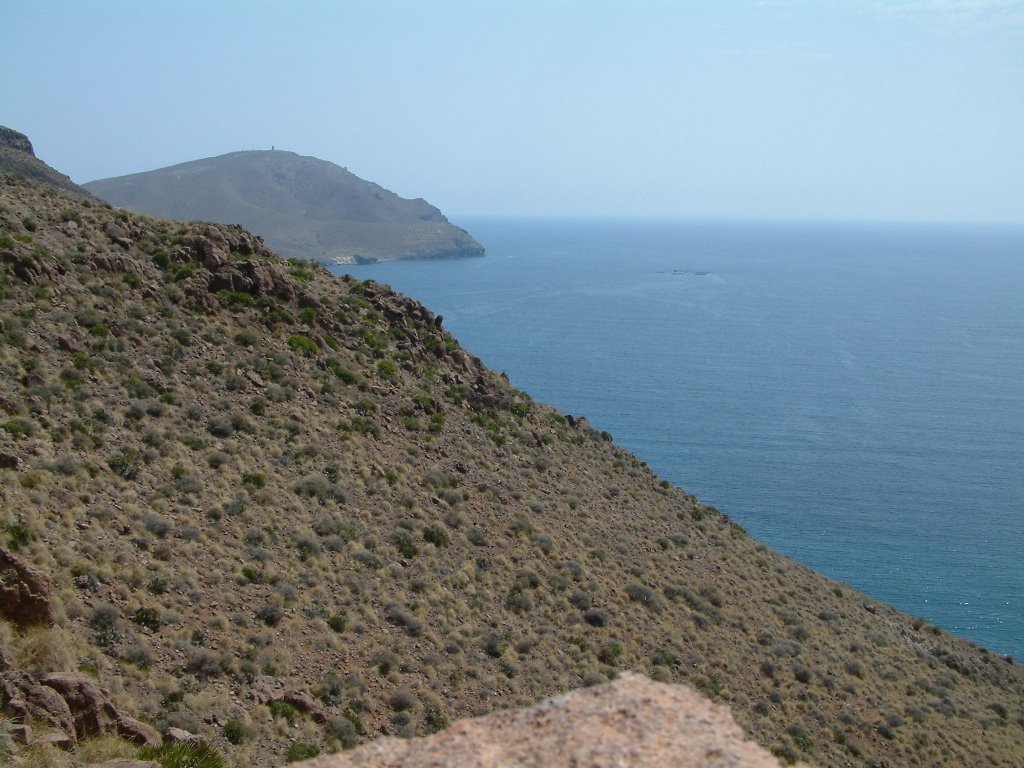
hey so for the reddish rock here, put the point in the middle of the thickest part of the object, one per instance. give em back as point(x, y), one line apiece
point(92, 711)
point(24, 592)
point(95, 715)
point(24, 699)
point(138, 732)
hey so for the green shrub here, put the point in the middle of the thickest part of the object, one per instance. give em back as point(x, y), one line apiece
point(344, 730)
point(436, 535)
point(303, 344)
point(434, 719)
point(234, 731)
point(300, 750)
point(18, 535)
point(405, 546)
point(645, 596)
point(237, 298)
point(104, 621)
point(255, 479)
point(402, 700)
point(20, 427)
point(147, 617)
point(127, 463)
point(284, 710)
point(386, 369)
point(340, 371)
point(610, 653)
point(270, 615)
point(189, 754)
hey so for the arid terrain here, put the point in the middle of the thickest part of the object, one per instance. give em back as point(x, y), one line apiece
point(287, 512)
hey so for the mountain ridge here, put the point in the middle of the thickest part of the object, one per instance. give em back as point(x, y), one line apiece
point(304, 207)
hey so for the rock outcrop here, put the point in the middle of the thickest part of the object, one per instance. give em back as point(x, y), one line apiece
point(24, 592)
point(629, 722)
point(17, 157)
point(93, 712)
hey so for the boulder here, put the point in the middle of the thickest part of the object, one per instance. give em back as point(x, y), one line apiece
point(117, 234)
point(181, 736)
point(92, 711)
point(138, 732)
point(24, 699)
point(24, 592)
point(630, 722)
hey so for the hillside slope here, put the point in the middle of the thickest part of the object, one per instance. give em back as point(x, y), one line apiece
point(304, 207)
point(288, 512)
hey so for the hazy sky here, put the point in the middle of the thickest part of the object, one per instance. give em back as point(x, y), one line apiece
point(856, 109)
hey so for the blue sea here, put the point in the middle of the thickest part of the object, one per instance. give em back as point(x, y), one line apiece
point(852, 394)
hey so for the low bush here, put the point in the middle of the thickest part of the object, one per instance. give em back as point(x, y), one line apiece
point(189, 754)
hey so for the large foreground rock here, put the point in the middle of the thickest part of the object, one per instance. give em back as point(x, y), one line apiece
point(630, 722)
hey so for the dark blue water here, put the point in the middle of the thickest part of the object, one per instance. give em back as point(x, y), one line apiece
point(852, 394)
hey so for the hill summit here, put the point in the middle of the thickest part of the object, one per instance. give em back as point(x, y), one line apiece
point(303, 207)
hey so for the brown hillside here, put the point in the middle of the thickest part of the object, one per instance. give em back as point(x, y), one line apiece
point(288, 512)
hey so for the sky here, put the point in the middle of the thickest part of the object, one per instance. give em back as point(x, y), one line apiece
point(907, 110)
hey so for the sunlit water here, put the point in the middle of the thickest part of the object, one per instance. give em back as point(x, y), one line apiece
point(853, 395)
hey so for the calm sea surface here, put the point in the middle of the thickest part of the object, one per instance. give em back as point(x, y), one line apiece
point(852, 394)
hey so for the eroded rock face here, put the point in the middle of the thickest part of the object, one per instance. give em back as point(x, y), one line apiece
point(630, 722)
point(15, 140)
point(24, 700)
point(94, 714)
point(24, 592)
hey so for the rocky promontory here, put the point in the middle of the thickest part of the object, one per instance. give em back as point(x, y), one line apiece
point(17, 157)
point(303, 207)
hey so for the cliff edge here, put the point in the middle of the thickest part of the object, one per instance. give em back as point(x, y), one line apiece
point(17, 157)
